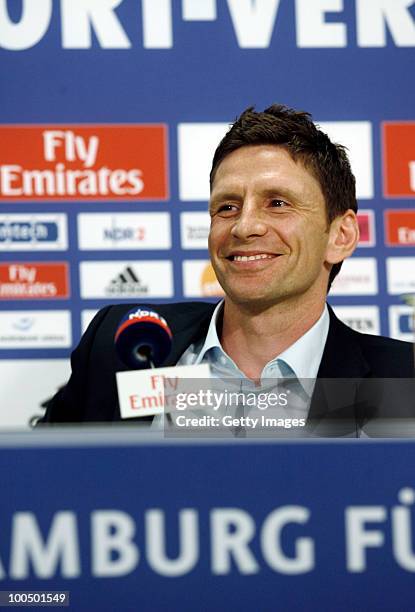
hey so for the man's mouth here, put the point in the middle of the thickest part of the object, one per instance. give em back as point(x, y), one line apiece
point(251, 257)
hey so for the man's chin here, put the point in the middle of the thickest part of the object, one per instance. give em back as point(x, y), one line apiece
point(255, 301)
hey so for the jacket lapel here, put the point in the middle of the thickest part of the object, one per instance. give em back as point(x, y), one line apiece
point(186, 332)
point(342, 367)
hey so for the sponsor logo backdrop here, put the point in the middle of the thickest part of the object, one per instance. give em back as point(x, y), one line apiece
point(109, 121)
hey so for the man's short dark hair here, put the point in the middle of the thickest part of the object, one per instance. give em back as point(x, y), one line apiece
point(295, 131)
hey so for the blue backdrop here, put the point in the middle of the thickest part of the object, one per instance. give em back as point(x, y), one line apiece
point(199, 62)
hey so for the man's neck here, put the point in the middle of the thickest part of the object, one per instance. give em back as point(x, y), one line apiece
point(253, 338)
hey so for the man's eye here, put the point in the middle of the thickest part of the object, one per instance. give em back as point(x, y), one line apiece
point(226, 208)
point(278, 203)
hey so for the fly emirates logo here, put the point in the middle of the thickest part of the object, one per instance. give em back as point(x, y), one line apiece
point(34, 280)
point(85, 162)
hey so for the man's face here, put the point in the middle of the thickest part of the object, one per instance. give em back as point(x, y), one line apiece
point(269, 232)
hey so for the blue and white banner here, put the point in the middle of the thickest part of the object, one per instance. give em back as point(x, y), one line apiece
point(110, 113)
point(126, 523)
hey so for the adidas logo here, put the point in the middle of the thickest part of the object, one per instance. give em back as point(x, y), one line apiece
point(127, 283)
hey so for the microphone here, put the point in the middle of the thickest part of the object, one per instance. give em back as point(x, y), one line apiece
point(143, 339)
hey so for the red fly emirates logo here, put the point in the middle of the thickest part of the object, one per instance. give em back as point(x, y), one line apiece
point(33, 281)
point(399, 159)
point(95, 162)
point(400, 227)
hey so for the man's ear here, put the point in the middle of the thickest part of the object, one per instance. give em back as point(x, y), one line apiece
point(343, 237)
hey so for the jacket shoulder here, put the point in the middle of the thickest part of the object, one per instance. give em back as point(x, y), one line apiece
point(91, 394)
point(387, 357)
point(349, 353)
point(177, 314)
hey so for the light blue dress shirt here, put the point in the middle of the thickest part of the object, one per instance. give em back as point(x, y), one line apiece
point(294, 369)
point(302, 358)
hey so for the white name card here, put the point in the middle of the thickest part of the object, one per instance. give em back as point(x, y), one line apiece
point(148, 392)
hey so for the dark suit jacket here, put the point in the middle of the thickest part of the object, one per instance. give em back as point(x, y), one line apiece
point(350, 368)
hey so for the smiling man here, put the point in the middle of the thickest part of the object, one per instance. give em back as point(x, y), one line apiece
point(283, 219)
point(272, 242)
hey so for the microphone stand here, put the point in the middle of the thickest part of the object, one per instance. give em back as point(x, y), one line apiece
point(145, 354)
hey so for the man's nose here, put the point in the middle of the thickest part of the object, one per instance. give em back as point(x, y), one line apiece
point(250, 223)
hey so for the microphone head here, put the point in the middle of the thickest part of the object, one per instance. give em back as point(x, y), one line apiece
point(142, 339)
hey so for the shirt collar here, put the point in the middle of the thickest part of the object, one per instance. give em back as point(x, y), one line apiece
point(303, 357)
point(212, 339)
